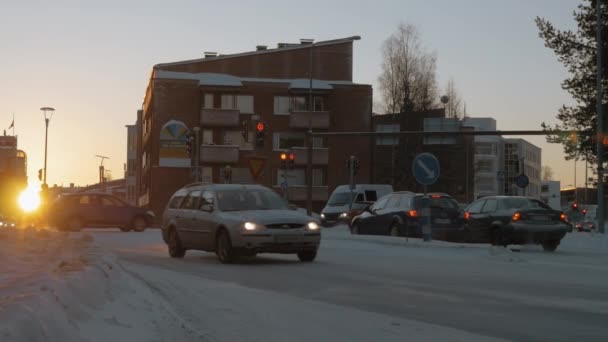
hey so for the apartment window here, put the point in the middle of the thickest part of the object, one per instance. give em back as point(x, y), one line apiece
point(485, 148)
point(484, 165)
point(318, 104)
point(287, 140)
point(236, 138)
point(386, 140)
point(207, 137)
point(299, 104)
point(244, 103)
point(318, 177)
point(207, 174)
point(281, 105)
point(228, 102)
point(208, 101)
point(296, 177)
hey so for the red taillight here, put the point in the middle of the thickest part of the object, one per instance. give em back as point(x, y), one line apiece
point(516, 217)
point(435, 196)
point(467, 215)
point(412, 213)
point(562, 217)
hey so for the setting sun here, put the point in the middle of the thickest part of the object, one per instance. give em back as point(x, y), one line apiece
point(29, 200)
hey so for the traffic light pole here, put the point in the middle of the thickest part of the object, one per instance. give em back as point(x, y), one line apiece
point(309, 173)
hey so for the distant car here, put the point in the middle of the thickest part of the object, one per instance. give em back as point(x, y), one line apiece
point(5, 222)
point(233, 220)
point(399, 214)
point(73, 212)
point(504, 220)
point(344, 203)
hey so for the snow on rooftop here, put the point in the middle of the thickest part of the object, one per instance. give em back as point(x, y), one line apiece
point(215, 79)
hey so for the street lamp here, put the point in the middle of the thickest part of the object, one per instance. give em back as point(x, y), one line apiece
point(48, 115)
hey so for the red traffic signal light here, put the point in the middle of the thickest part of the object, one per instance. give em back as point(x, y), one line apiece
point(292, 157)
point(574, 206)
point(260, 126)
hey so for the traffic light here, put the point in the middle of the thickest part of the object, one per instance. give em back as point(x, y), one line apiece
point(355, 166)
point(260, 128)
point(575, 206)
point(189, 143)
point(40, 174)
point(283, 158)
point(292, 160)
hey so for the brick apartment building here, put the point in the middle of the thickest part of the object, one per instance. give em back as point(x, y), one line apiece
point(224, 94)
point(393, 156)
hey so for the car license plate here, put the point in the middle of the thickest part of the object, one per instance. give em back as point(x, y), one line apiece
point(442, 221)
point(286, 238)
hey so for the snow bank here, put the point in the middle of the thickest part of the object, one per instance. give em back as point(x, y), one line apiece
point(61, 287)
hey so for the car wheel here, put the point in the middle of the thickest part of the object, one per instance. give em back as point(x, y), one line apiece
point(354, 229)
point(225, 252)
point(175, 245)
point(550, 246)
point(139, 224)
point(307, 256)
point(74, 224)
point(394, 231)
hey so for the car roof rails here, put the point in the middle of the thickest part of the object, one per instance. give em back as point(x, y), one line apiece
point(195, 184)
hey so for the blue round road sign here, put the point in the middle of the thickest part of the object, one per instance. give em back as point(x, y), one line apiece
point(426, 168)
point(522, 181)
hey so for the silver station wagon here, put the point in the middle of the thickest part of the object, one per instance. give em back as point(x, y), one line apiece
point(233, 220)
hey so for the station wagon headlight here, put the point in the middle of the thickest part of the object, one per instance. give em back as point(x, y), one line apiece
point(322, 216)
point(312, 226)
point(249, 226)
point(344, 215)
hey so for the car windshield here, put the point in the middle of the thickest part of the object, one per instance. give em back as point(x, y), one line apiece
point(521, 203)
point(340, 198)
point(240, 200)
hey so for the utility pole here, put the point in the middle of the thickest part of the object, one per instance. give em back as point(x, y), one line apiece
point(102, 173)
point(600, 122)
point(309, 136)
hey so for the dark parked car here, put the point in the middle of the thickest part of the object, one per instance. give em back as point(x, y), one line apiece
point(504, 220)
point(81, 210)
point(398, 214)
point(233, 220)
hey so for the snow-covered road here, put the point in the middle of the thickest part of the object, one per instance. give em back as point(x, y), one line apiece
point(361, 288)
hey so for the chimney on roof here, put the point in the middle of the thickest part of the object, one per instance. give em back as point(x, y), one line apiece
point(210, 54)
point(305, 41)
point(261, 48)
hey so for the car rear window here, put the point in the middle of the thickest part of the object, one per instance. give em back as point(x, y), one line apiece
point(441, 202)
point(521, 203)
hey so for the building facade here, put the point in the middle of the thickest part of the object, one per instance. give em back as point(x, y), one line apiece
point(220, 99)
point(521, 156)
point(550, 194)
point(130, 167)
point(393, 156)
point(488, 163)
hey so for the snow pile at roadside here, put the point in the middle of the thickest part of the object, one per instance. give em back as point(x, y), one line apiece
point(60, 287)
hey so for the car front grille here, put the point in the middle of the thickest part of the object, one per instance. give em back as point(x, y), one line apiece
point(285, 225)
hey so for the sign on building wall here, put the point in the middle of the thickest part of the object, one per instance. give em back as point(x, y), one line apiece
point(172, 151)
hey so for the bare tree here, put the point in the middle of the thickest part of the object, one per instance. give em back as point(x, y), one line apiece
point(407, 80)
point(547, 173)
point(453, 109)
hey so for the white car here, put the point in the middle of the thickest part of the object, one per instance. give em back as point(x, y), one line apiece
point(233, 220)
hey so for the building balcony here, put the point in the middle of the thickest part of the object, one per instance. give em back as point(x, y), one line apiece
point(320, 156)
point(315, 120)
point(299, 193)
point(214, 117)
point(219, 153)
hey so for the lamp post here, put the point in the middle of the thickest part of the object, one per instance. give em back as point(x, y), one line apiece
point(48, 115)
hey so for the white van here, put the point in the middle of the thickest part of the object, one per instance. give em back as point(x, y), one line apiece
point(344, 204)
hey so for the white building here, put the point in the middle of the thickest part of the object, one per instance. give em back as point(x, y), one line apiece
point(550, 194)
point(521, 156)
point(488, 163)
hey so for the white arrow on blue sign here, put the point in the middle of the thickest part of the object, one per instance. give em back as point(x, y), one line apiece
point(426, 168)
